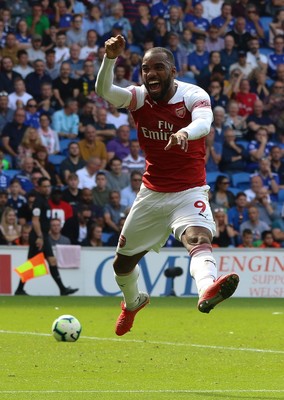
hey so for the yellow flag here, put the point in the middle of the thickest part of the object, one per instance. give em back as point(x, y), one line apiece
point(32, 268)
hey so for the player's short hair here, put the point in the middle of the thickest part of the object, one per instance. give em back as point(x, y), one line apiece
point(169, 54)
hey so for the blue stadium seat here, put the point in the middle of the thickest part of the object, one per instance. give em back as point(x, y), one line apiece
point(265, 51)
point(265, 22)
point(64, 143)
point(243, 143)
point(234, 190)
point(106, 236)
point(135, 49)
point(212, 176)
point(56, 159)
point(241, 180)
point(281, 196)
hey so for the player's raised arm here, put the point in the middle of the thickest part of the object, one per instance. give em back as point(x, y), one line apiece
point(105, 88)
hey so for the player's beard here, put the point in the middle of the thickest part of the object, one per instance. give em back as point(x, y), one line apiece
point(164, 88)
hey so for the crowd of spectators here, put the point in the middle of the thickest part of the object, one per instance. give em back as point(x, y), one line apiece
point(53, 124)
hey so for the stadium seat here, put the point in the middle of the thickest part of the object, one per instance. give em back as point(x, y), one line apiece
point(56, 159)
point(241, 180)
point(106, 236)
point(281, 196)
point(11, 172)
point(243, 143)
point(234, 190)
point(265, 22)
point(265, 51)
point(64, 143)
point(136, 49)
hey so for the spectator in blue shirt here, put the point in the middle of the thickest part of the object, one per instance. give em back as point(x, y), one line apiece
point(4, 179)
point(225, 21)
point(238, 213)
point(199, 58)
point(277, 57)
point(66, 121)
point(162, 8)
point(196, 23)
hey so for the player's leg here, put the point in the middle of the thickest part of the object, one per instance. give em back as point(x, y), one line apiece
point(33, 251)
point(53, 269)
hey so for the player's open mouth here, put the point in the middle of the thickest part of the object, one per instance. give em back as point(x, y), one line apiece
point(154, 86)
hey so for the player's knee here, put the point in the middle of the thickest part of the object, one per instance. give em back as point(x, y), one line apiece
point(195, 237)
point(123, 264)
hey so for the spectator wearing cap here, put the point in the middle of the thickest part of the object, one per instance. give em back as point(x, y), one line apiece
point(76, 34)
point(213, 41)
point(35, 79)
point(37, 22)
point(35, 52)
point(90, 50)
point(240, 34)
point(23, 68)
point(11, 48)
point(51, 67)
point(242, 64)
point(118, 20)
point(7, 75)
point(6, 113)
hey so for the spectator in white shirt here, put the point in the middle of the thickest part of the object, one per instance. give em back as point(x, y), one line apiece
point(19, 97)
point(87, 175)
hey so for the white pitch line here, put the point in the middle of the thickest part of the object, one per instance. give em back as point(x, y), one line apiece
point(156, 342)
point(146, 391)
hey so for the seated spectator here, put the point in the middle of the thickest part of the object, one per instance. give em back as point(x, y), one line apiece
point(247, 239)
point(219, 123)
point(36, 79)
point(115, 117)
point(59, 208)
point(35, 52)
point(276, 27)
point(63, 15)
point(225, 233)
point(47, 103)
point(51, 67)
point(213, 152)
point(129, 193)
point(143, 24)
point(66, 121)
point(9, 226)
point(225, 20)
point(270, 180)
point(90, 50)
point(259, 148)
point(4, 179)
point(255, 58)
point(71, 194)
point(64, 87)
point(254, 223)
point(90, 146)
point(278, 229)
point(186, 43)
point(253, 22)
point(7, 75)
point(77, 228)
point(10, 48)
point(134, 161)
point(274, 104)
point(245, 98)
point(117, 17)
point(76, 64)
point(100, 192)
point(6, 113)
point(268, 210)
point(87, 175)
point(37, 22)
point(259, 84)
point(238, 213)
point(86, 83)
point(213, 41)
point(87, 116)
point(206, 72)
point(180, 56)
point(159, 35)
point(235, 121)
point(47, 169)
point(116, 178)
point(255, 185)
point(15, 199)
point(277, 164)
point(113, 239)
point(29, 144)
point(18, 98)
point(76, 34)
point(195, 21)
point(240, 34)
point(233, 84)
point(258, 119)
point(199, 58)
point(25, 175)
point(3, 199)
point(32, 114)
point(13, 133)
point(25, 212)
point(24, 238)
point(120, 146)
point(23, 68)
point(268, 241)
point(234, 155)
point(105, 131)
point(243, 65)
point(72, 163)
point(120, 78)
point(86, 198)
point(54, 235)
point(216, 94)
point(212, 8)
point(62, 52)
point(277, 57)
point(229, 54)
point(221, 196)
point(113, 211)
point(49, 138)
point(93, 19)
point(94, 238)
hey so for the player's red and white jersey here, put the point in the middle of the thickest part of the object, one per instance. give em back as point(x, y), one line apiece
point(172, 170)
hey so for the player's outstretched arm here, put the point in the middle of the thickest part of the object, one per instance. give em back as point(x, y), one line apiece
point(105, 88)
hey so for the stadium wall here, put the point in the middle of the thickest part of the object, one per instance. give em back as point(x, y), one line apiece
point(261, 272)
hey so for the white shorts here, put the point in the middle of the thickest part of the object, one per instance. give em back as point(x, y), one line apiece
point(155, 215)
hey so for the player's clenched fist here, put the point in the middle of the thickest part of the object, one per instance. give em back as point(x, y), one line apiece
point(114, 46)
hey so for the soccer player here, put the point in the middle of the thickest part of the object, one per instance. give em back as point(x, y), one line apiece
point(39, 239)
point(173, 119)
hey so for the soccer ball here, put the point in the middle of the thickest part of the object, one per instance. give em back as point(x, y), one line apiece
point(66, 328)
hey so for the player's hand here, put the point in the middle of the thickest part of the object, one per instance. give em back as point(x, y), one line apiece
point(178, 139)
point(39, 243)
point(115, 46)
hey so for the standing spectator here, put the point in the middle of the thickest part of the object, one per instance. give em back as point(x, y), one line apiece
point(49, 138)
point(37, 22)
point(66, 121)
point(254, 223)
point(120, 146)
point(76, 34)
point(35, 79)
point(213, 151)
point(129, 193)
point(105, 131)
point(72, 163)
point(13, 133)
point(134, 161)
point(6, 113)
point(87, 175)
point(77, 228)
point(65, 87)
point(55, 236)
point(9, 226)
point(113, 211)
point(71, 194)
point(7, 75)
point(90, 146)
point(100, 192)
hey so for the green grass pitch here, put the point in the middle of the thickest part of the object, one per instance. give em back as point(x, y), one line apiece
point(173, 352)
